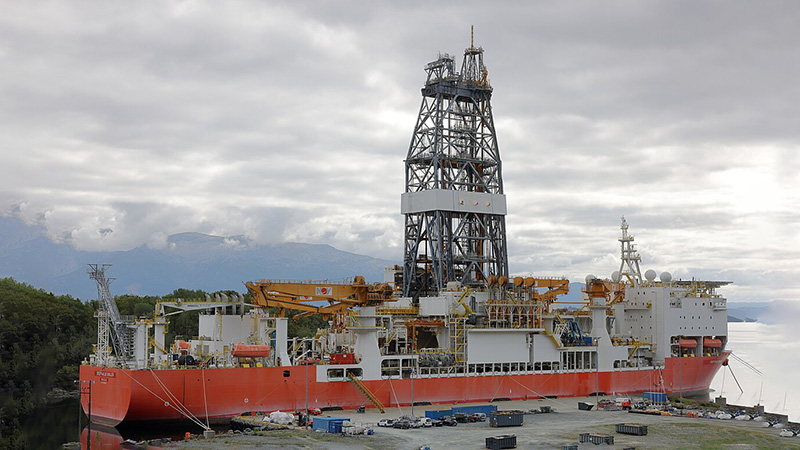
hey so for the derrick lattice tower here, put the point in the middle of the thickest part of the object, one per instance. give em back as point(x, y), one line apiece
point(112, 329)
point(453, 202)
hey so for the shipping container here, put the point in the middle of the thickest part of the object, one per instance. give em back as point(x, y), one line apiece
point(655, 397)
point(486, 409)
point(506, 419)
point(500, 442)
point(329, 424)
point(632, 428)
point(438, 414)
point(596, 438)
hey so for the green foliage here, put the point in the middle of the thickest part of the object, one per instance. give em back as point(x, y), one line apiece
point(303, 327)
point(43, 339)
point(133, 305)
point(187, 294)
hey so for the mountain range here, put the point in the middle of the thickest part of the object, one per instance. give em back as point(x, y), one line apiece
point(201, 261)
point(189, 260)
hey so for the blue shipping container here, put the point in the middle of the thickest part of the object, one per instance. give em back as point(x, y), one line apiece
point(328, 424)
point(486, 409)
point(657, 397)
point(438, 414)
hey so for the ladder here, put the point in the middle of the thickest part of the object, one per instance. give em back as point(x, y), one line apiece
point(458, 338)
point(361, 387)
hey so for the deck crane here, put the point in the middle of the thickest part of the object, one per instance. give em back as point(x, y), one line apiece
point(302, 295)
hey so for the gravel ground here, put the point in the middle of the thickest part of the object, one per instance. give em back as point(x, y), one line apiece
point(539, 431)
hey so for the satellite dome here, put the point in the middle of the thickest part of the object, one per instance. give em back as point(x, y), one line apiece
point(590, 278)
point(615, 276)
point(665, 277)
point(650, 274)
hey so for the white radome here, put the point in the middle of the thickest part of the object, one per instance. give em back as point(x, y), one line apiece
point(650, 274)
point(665, 277)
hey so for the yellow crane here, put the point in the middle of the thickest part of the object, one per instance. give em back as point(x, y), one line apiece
point(301, 295)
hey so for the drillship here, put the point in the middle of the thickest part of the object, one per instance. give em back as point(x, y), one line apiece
point(449, 326)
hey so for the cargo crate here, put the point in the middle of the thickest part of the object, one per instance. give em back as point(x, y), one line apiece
point(596, 438)
point(328, 424)
point(506, 419)
point(655, 397)
point(500, 442)
point(632, 428)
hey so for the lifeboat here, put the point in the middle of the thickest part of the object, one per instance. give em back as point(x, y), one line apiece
point(687, 343)
point(712, 343)
point(250, 351)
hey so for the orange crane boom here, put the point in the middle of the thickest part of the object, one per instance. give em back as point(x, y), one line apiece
point(299, 295)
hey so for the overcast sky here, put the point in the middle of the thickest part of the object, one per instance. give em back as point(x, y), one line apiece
point(124, 122)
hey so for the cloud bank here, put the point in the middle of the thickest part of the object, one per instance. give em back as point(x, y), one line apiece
point(122, 124)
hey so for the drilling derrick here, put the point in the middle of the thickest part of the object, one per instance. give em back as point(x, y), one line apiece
point(453, 203)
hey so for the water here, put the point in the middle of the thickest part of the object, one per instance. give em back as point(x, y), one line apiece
point(772, 349)
point(50, 426)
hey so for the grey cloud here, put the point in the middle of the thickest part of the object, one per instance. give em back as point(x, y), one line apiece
point(291, 120)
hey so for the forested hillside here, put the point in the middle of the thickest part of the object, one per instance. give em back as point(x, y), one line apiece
point(43, 339)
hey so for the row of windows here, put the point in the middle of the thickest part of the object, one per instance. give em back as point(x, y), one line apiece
point(341, 373)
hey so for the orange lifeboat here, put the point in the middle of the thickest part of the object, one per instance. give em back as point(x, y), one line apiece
point(712, 343)
point(250, 351)
point(687, 343)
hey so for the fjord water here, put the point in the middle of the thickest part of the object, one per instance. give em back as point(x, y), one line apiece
point(774, 350)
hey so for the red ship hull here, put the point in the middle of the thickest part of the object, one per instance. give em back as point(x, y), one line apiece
point(119, 395)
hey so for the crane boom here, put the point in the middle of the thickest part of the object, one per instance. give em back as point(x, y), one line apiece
point(301, 295)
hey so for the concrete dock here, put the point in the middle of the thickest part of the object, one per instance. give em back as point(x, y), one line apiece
point(539, 431)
